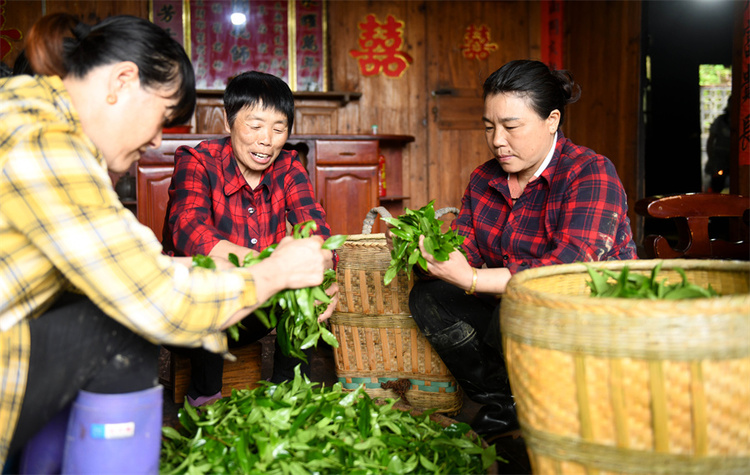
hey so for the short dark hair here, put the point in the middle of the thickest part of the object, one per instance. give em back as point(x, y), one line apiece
point(253, 88)
point(546, 89)
point(58, 44)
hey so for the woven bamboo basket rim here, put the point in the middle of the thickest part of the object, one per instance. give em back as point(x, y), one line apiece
point(361, 239)
point(638, 328)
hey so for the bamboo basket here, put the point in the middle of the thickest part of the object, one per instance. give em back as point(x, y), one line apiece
point(630, 385)
point(380, 346)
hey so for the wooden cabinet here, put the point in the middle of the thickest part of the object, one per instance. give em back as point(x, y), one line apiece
point(344, 171)
point(346, 180)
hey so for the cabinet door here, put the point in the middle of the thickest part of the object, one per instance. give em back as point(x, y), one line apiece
point(347, 193)
point(153, 195)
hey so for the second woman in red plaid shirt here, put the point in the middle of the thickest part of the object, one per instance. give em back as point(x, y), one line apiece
point(235, 195)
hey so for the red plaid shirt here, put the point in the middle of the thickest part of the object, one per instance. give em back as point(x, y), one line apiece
point(576, 210)
point(210, 201)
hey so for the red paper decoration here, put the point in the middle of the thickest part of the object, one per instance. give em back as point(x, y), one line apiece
point(552, 33)
point(380, 47)
point(7, 35)
point(477, 42)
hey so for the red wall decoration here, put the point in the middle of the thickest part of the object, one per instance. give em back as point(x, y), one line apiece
point(285, 38)
point(7, 35)
point(477, 43)
point(380, 47)
point(552, 33)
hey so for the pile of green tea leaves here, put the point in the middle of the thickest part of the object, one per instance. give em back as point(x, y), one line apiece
point(293, 312)
point(606, 283)
point(299, 427)
point(406, 231)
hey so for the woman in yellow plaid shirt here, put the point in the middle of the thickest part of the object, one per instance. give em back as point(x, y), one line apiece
point(101, 97)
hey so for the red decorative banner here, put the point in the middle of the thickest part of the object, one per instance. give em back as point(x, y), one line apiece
point(168, 15)
point(310, 59)
point(744, 158)
point(221, 49)
point(552, 33)
point(280, 37)
point(7, 35)
point(476, 43)
point(380, 47)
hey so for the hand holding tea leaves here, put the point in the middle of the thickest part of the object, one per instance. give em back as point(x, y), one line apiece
point(297, 326)
point(406, 231)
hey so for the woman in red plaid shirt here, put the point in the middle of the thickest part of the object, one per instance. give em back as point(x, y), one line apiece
point(541, 200)
point(235, 195)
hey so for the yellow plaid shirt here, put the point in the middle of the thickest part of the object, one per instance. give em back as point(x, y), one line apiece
point(62, 226)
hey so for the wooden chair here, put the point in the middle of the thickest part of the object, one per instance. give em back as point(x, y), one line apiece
point(692, 213)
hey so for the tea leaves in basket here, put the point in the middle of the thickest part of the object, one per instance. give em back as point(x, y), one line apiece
point(639, 286)
point(406, 231)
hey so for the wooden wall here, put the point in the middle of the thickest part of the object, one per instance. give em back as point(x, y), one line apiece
point(603, 52)
point(438, 98)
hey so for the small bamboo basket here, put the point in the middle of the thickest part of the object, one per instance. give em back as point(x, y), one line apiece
point(380, 346)
point(607, 385)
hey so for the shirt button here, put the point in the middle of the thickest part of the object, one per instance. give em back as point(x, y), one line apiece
point(505, 257)
point(251, 210)
point(253, 241)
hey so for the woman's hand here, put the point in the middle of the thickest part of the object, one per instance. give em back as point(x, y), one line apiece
point(333, 292)
point(456, 270)
point(299, 263)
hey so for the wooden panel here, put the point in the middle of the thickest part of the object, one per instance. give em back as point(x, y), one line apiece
point(456, 144)
point(328, 152)
point(605, 36)
point(153, 187)
point(347, 193)
point(318, 118)
point(459, 112)
point(209, 115)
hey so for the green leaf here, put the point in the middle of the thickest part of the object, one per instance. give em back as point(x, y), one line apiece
point(234, 259)
point(335, 242)
point(329, 337)
point(200, 260)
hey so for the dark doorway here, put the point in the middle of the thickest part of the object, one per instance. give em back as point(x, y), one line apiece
point(679, 36)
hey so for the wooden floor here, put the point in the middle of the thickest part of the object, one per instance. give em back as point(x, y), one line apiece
point(323, 371)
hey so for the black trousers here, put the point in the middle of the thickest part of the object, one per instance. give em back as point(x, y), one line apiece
point(74, 346)
point(437, 306)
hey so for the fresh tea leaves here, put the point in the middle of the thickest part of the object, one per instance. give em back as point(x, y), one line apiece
point(293, 312)
point(406, 231)
point(302, 427)
point(606, 283)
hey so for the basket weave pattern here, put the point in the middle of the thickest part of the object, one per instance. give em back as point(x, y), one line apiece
point(378, 340)
point(363, 260)
point(630, 385)
point(377, 349)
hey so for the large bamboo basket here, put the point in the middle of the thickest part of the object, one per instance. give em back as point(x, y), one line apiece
point(379, 343)
point(629, 385)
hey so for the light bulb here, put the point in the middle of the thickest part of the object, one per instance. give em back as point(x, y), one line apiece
point(238, 19)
